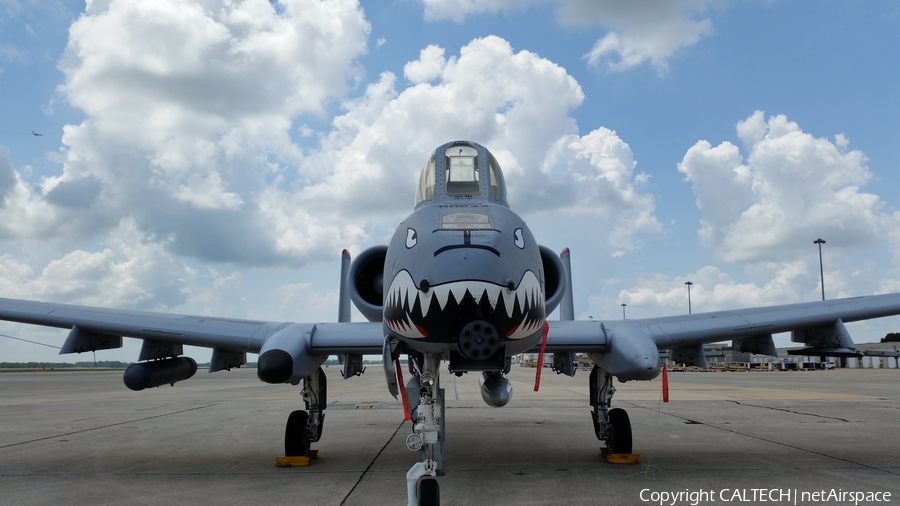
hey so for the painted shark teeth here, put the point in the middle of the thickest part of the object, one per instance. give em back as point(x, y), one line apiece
point(405, 328)
point(403, 296)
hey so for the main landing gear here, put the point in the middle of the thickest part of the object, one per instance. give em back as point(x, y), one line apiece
point(428, 432)
point(610, 425)
point(305, 427)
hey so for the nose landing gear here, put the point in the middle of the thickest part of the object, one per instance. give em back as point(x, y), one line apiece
point(428, 435)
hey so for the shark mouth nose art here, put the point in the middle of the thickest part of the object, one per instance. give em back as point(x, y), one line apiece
point(441, 311)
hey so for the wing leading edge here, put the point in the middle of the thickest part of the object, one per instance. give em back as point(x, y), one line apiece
point(100, 327)
point(703, 328)
point(629, 348)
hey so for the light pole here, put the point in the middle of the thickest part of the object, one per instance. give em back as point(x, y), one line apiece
point(689, 284)
point(623, 310)
point(820, 242)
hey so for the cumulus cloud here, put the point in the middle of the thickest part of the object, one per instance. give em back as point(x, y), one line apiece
point(429, 66)
point(132, 270)
point(595, 174)
point(8, 179)
point(187, 145)
point(712, 290)
point(457, 10)
point(218, 294)
point(638, 32)
point(511, 102)
point(789, 189)
point(515, 103)
point(75, 194)
point(190, 108)
point(24, 213)
point(304, 297)
point(763, 204)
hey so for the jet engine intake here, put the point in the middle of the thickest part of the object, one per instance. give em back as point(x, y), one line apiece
point(366, 282)
point(495, 389)
point(554, 279)
point(159, 372)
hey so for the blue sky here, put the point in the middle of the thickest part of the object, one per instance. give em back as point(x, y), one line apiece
point(214, 157)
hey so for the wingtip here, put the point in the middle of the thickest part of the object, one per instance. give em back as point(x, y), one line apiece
point(345, 253)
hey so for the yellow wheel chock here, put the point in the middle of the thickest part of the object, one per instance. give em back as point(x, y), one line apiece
point(620, 458)
point(297, 461)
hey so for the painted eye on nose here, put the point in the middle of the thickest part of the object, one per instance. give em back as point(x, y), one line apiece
point(411, 238)
point(519, 238)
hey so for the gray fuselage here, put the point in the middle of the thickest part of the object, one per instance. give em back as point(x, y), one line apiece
point(463, 272)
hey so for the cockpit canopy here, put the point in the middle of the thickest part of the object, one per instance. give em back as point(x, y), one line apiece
point(459, 170)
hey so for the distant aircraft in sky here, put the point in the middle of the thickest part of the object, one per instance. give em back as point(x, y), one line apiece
point(36, 134)
point(463, 281)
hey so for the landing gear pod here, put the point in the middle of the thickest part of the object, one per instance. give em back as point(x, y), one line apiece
point(286, 357)
point(159, 372)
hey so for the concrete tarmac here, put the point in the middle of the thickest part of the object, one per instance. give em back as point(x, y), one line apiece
point(80, 438)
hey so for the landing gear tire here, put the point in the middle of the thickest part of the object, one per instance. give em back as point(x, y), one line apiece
point(619, 431)
point(296, 434)
point(429, 493)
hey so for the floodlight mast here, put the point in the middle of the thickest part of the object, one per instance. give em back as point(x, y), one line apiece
point(689, 284)
point(820, 242)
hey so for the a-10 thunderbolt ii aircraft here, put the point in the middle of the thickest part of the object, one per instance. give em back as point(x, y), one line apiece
point(463, 281)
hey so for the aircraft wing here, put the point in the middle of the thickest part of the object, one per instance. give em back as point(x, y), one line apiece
point(629, 348)
point(808, 320)
point(94, 328)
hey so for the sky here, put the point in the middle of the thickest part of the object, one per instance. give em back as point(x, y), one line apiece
point(213, 157)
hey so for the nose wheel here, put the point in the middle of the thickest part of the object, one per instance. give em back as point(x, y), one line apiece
point(429, 493)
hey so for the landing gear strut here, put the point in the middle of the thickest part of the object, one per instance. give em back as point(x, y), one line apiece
point(305, 427)
point(428, 434)
point(610, 425)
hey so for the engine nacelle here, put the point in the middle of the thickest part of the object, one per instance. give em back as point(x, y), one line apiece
point(554, 278)
point(159, 372)
point(286, 357)
point(366, 282)
point(495, 389)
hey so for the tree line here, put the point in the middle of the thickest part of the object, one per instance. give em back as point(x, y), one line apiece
point(101, 364)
